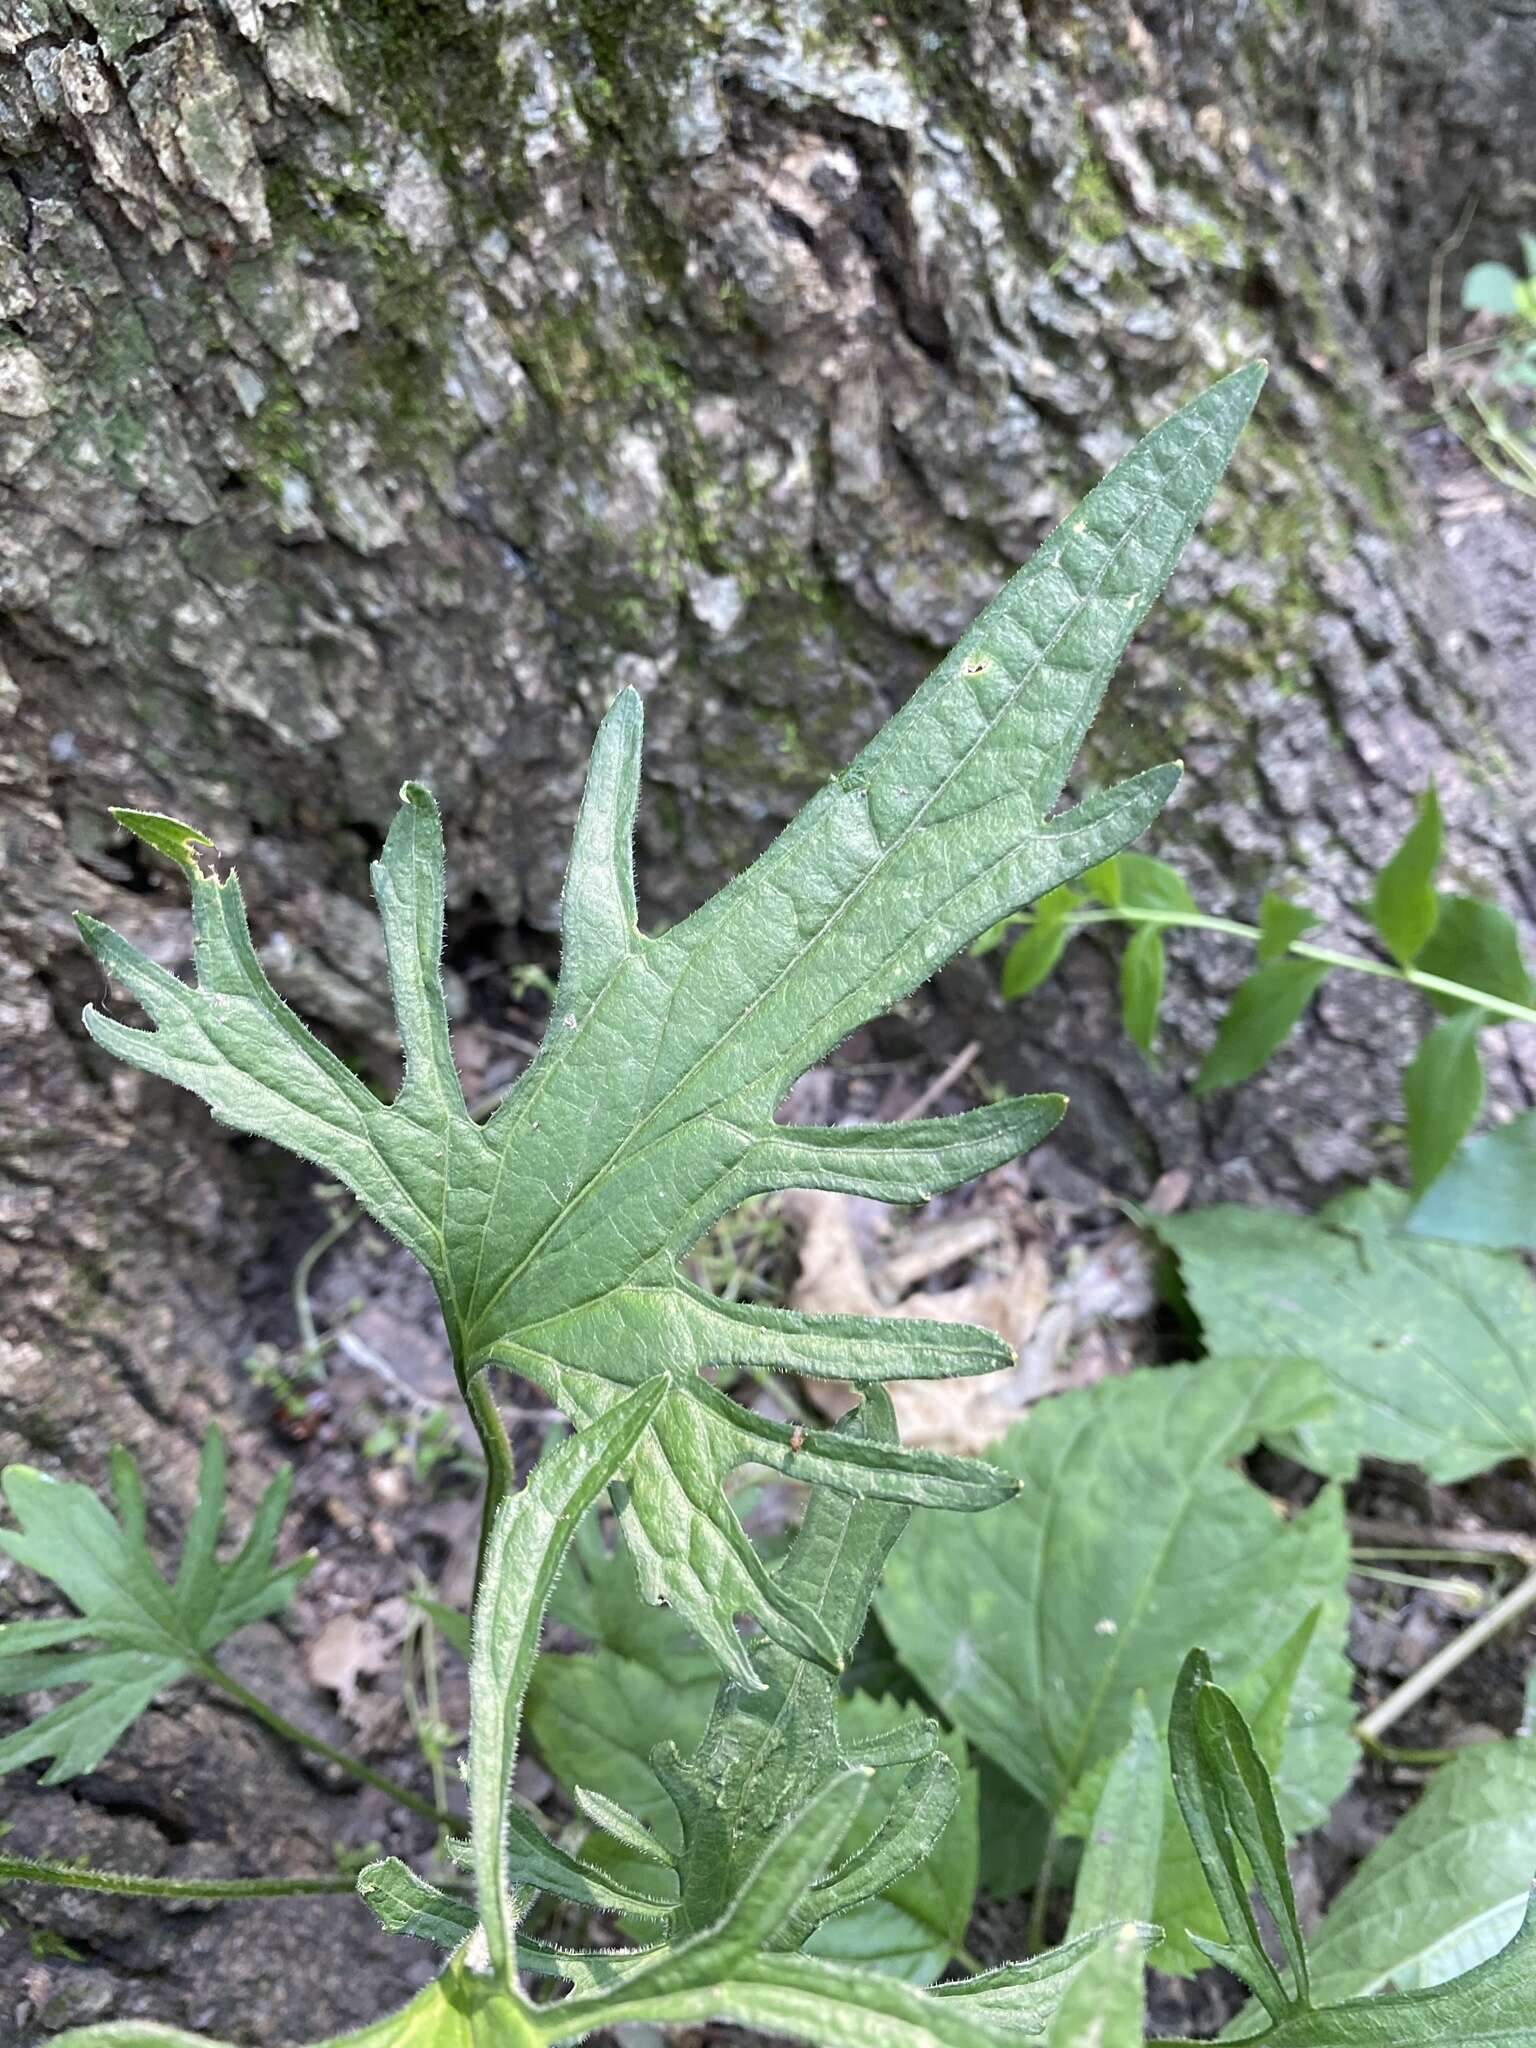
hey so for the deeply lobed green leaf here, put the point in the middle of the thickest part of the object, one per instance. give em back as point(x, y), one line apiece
point(135, 1632)
point(552, 1234)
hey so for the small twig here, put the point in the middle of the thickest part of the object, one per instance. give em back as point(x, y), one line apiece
point(963, 1060)
point(310, 1344)
point(1428, 1676)
point(1406, 1539)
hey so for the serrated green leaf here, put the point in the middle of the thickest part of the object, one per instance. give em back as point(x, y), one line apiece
point(1477, 945)
point(1404, 907)
point(1430, 1349)
point(1281, 923)
point(1035, 1629)
point(1448, 1886)
point(1442, 1094)
point(553, 1232)
point(1117, 1877)
point(1263, 1012)
point(1143, 966)
point(404, 1903)
point(145, 1633)
point(740, 1763)
point(168, 836)
point(1486, 1196)
point(902, 1902)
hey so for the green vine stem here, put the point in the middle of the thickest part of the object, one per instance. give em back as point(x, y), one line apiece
point(27, 1870)
point(290, 1732)
point(1355, 963)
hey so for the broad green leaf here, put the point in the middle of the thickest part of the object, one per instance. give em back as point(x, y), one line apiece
point(1142, 968)
point(553, 1232)
point(1489, 288)
point(1448, 1886)
point(1281, 923)
point(144, 1632)
point(1032, 958)
point(1477, 945)
point(1102, 2007)
point(1487, 1194)
point(1103, 882)
point(1035, 1629)
point(1493, 2006)
point(1117, 1877)
point(1148, 884)
point(1442, 1094)
point(1430, 1349)
point(527, 1546)
point(1264, 1010)
point(1404, 907)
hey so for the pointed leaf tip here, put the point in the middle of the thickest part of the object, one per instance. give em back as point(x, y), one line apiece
point(168, 836)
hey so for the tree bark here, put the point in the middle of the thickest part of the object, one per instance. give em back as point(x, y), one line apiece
point(385, 384)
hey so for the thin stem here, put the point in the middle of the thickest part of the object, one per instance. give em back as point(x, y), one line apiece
point(1040, 1901)
point(1444, 1662)
point(290, 1732)
point(500, 1472)
point(1355, 963)
point(1415, 1759)
point(309, 1337)
point(26, 1870)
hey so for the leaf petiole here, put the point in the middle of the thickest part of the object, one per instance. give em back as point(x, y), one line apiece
point(291, 1732)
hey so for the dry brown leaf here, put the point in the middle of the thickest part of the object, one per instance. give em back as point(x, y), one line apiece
point(1062, 1328)
point(347, 1650)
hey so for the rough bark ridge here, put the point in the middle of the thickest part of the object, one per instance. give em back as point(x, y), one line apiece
point(383, 384)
